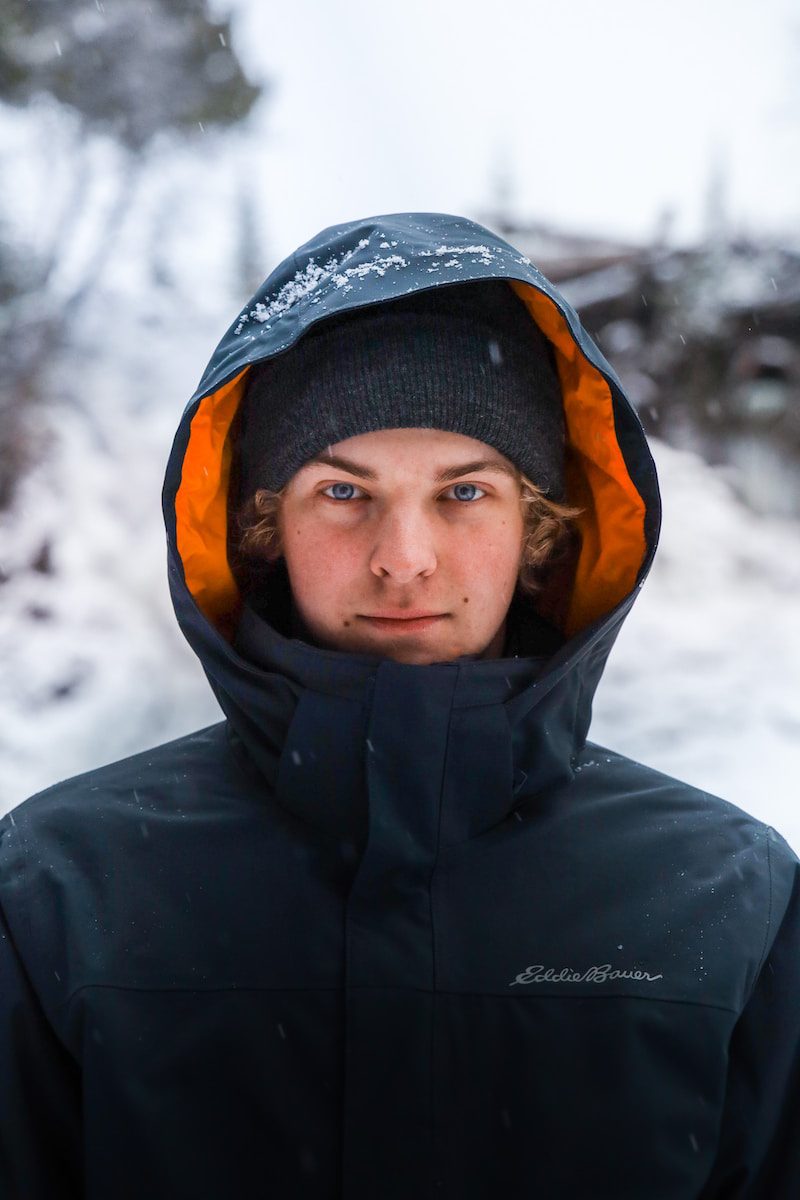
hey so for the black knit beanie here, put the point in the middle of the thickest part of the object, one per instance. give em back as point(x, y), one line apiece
point(466, 358)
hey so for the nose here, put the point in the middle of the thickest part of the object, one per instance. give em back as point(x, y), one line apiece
point(403, 548)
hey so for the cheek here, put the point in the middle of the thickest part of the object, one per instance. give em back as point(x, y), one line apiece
point(490, 559)
point(320, 561)
point(487, 573)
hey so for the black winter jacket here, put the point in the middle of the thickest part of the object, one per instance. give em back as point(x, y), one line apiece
point(397, 931)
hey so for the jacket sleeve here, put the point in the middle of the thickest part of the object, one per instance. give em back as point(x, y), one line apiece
point(39, 1093)
point(758, 1154)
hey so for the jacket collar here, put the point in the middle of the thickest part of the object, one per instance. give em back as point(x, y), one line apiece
point(324, 717)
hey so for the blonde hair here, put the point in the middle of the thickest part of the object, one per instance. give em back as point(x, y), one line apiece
point(550, 536)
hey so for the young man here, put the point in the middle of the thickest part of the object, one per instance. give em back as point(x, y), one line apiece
point(395, 928)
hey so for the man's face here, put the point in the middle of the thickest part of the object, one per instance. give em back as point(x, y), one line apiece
point(406, 544)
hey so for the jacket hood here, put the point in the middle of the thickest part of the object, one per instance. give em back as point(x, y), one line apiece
point(610, 475)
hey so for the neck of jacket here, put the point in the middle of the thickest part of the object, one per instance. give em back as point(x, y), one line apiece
point(423, 756)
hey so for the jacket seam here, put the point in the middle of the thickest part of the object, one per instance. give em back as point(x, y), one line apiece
point(768, 929)
point(433, 993)
point(365, 987)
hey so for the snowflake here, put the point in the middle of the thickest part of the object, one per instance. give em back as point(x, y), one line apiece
point(486, 256)
point(303, 282)
point(313, 275)
point(378, 266)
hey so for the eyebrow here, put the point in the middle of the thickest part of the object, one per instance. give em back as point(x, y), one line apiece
point(470, 468)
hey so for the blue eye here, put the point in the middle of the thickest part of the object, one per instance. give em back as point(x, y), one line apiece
point(466, 491)
point(336, 488)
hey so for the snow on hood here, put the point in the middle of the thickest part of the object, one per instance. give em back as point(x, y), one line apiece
point(610, 473)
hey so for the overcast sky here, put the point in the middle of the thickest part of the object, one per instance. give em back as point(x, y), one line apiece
point(602, 116)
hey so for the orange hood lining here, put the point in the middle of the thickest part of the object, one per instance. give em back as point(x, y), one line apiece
point(611, 525)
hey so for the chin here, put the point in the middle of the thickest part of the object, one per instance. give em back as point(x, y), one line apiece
point(418, 658)
point(416, 651)
point(419, 655)
point(412, 655)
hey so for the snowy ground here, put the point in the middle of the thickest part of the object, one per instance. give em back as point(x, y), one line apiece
point(702, 683)
point(704, 680)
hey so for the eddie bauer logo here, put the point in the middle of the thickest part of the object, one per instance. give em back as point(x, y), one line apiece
point(601, 974)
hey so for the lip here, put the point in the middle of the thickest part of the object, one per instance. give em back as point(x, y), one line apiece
point(401, 614)
point(403, 620)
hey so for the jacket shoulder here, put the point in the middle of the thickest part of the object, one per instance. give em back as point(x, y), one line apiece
point(640, 779)
point(195, 752)
point(108, 850)
point(100, 815)
point(680, 811)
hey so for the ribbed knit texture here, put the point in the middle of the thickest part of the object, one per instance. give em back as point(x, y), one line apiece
point(465, 358)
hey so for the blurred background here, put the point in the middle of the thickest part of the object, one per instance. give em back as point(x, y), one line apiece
point(159, 158)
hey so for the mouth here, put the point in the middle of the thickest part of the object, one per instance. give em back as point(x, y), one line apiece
point(408, 622)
